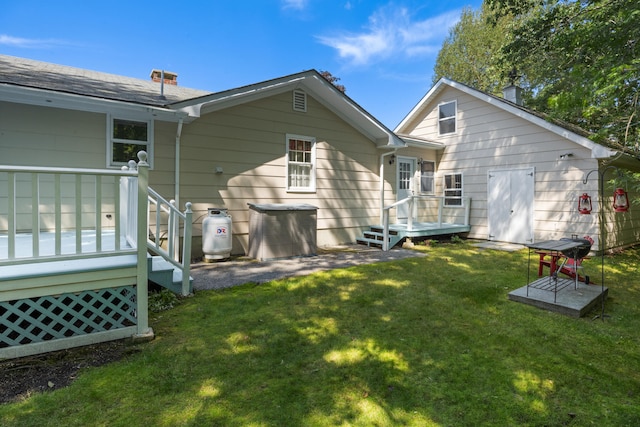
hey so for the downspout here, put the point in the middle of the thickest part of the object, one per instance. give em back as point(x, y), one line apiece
point(382, 158)
point(177, 165)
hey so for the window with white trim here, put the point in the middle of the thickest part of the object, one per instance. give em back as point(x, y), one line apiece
point(447, 118)
point(126, 138)
point(453, 189)
point(301, 159)
point(427, 177)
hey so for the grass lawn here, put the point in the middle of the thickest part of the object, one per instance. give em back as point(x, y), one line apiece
point(421, 342)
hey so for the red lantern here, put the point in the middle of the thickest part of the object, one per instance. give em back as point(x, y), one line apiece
point(620, 200)
point(584, 204)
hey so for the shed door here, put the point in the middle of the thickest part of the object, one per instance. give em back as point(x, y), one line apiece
point(510, 205)
point(406, 171)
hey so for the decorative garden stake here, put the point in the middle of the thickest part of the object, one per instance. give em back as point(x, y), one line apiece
point(601, 235)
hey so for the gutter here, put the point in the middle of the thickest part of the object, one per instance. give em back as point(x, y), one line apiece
point(382, 158)
point(177, 164)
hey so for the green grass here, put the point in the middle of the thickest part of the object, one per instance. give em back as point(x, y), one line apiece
point(421, 342)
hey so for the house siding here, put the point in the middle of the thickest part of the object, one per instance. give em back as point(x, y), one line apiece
point(49, 137)
point(489, 138)
point(40, 136)
point(249, 141)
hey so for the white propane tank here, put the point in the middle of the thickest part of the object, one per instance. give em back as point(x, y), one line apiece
point(216, 235)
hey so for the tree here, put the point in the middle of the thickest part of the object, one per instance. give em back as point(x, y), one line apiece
point(469, 54)
point(581, 61)
point(333, 80)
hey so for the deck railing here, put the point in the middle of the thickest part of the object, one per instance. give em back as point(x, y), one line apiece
point(418, 213)
point(65, 203)
point(56, 208)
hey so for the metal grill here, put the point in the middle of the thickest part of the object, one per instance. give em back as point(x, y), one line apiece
point(32, 320)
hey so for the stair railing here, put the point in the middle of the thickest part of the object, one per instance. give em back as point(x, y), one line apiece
point(169, 225)
point(413, 212)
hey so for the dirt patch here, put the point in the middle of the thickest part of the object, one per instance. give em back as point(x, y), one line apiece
point(20, 378)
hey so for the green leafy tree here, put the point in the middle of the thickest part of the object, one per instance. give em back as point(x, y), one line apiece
point(580, 59)
point(469, 54)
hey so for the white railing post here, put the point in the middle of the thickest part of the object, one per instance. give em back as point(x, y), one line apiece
point(385, 230)
point(130, 203)
point(11, 189)
point(142, 202)
point(173, 231)
point(186, 249)
point(410, 213)
point(440, 208)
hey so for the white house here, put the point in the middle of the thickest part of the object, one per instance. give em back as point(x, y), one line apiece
point(291, 140)
point(524, 172)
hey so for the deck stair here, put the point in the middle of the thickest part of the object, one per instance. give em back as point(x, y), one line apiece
point(375, 237)
point(163, 273)
point(424, 209)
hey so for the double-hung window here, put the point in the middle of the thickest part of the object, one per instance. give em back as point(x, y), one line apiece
point(427, 173)
point(301, 159)
point(126, 138)
point(453, 189)
point(447, 118)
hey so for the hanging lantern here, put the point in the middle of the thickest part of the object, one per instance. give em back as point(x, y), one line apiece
point(584, 204)
point(620, 200)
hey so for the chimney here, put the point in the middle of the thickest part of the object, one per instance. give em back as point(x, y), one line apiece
point(513, 94)
point(169, 77)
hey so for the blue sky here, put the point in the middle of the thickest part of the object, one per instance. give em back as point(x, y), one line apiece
point(382, 51)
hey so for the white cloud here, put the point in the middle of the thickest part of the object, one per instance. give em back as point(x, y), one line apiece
point(392, 32)
point(20, 42)
point(294, 4)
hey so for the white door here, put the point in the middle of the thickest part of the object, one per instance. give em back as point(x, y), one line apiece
point(406, 171)
point(510, 205)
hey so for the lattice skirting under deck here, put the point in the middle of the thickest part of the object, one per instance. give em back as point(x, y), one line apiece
point(34, 320)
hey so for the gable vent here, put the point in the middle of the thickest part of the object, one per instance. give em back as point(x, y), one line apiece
point(299, 101)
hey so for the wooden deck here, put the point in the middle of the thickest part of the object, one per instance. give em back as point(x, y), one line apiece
point(90, 242)
point(425, 229)
point(398, 232)
point(84, 280)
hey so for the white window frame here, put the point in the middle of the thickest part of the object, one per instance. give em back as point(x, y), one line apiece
point(111, 140)
point(454, 117)
point(432, 177)
point(453, 196)
point(289, 164)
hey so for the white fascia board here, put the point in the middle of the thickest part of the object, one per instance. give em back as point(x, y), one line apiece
point(597, 151)
point(311, 83)
point(324, 92)
point(52, 99)
point(421, 143)
point(421, 105)
point(227, 99)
